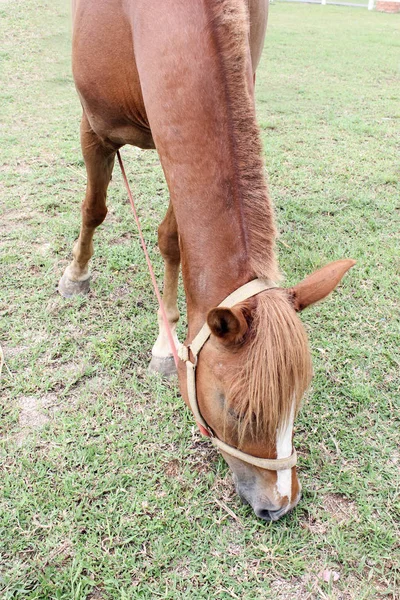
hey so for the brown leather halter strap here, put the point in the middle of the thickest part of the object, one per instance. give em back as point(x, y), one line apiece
point(252, 288)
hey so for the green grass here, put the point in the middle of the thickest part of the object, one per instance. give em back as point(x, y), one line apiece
point(116, 496)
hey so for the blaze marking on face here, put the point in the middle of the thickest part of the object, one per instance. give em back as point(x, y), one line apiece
point(284, 450)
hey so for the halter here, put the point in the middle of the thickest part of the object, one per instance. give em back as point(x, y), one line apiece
point(248, 290)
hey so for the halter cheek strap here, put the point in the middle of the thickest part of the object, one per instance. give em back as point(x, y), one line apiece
point(248, 290)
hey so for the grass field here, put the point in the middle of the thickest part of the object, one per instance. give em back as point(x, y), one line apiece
point(107, 489)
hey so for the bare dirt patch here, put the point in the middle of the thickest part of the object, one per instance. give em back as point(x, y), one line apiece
point(15, 219)
point(284, 590)
point(314, 525)
point(95, 595)
point(17, 215)
point(42, 248)
point(172, 469)
point(340, 508)
point(120, 292)
point(13, 352)
point(31, 415)
point(182, 569)
point(311, 587)
point(126, 239)
point(35, 413)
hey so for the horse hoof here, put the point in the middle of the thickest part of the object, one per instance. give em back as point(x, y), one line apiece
point(163, 365)
point(68, 288)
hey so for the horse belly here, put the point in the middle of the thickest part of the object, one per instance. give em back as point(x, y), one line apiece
point(105, 74)
point(118, 131)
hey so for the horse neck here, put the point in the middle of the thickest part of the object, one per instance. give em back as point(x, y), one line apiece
point(224, 218)
point(214, 247)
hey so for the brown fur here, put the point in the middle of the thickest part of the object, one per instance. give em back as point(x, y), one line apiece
point(277, 369)
point(230, 30)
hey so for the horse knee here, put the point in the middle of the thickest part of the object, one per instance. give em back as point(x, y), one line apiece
point(168, 244)
point(93, 216)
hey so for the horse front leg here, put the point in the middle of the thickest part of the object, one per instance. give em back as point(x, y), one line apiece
point(99, 162)
point(162, 359)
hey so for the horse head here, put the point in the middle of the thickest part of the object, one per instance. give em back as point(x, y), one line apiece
point(251, 375)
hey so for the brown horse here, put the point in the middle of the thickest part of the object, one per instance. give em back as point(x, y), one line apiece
point(178, 76)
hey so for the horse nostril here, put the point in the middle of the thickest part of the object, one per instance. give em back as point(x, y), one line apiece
point(269, 515)
point(263, 514)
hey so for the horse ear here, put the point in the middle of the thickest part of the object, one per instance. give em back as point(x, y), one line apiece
point(227, 324)
point(317, 286)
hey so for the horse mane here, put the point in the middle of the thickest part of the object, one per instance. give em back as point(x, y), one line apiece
point(229, 26)
point(277, 363)
point(276, 371)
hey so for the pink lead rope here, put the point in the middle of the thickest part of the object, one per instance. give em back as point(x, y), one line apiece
point(153, 277)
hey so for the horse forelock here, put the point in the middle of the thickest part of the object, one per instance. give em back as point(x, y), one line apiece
point(229, 24)
point(267, 392)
